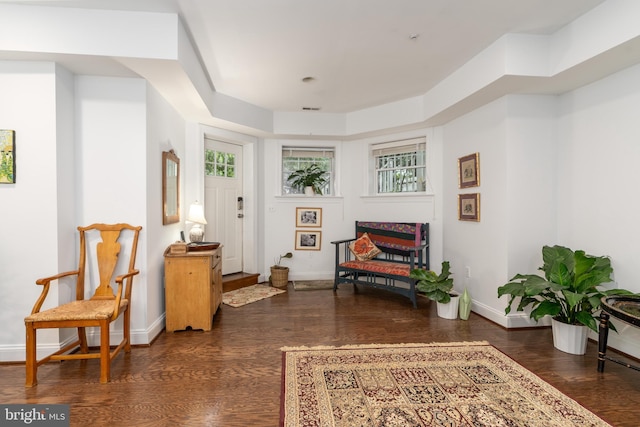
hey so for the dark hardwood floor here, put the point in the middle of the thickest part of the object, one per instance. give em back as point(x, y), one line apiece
point(230, 376)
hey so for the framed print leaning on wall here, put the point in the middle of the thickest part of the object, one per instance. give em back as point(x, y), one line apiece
point(469, 207)
point(7, 156)
point(469, 171)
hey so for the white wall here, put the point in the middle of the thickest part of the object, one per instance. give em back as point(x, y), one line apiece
point(531, 161)
point(112, 176)
point(66, 178)
point(88, 150)
point(553, 170)
point(480, 246)
point(350, 203)
point(165, 130)
point(516, 141)
point(599, 134)
point(127, 148)
point(29, 218)
point(359, 205)
point(279, 221)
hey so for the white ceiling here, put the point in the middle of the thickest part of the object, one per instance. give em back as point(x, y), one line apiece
point(360, 53)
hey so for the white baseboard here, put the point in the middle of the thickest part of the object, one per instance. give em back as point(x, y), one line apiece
point(17, 352)
point(627, 340)
point(512, 320)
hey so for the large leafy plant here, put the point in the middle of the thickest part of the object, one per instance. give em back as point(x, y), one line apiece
point(311, 176)
point(436, 287)
point(569, 289)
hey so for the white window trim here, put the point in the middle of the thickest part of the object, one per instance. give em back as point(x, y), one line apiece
point(337, 153)
point(397, 141)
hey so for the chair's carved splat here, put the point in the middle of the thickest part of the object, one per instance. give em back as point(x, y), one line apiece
point(108, 251)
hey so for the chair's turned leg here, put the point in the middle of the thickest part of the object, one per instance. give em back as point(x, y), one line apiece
point(82, 337)
point(105, 356)
point(127, 330)
point(603, 333)
point(31, 362)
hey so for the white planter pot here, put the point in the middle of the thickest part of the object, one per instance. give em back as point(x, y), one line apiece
point(571, 339)
point(308, 191)
point(450, 309)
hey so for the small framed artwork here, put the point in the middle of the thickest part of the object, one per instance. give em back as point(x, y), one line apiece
point(309, 217)
point(469, 207)
point(308, 240)
point(7, 156)
point(469, 171)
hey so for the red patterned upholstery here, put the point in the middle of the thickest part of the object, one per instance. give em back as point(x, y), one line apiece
point(403, 246)
point(382, 267)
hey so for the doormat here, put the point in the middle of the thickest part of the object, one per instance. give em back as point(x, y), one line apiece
point(452, 384)
point(249, 294)
point(312, 285)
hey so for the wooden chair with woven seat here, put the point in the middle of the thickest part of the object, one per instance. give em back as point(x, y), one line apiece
point(100, 310)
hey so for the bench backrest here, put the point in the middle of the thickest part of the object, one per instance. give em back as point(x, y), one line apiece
point(394, 237)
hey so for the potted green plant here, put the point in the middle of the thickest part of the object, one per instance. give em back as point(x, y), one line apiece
point(310, 179)
point(280, 274)
point(438, 288)
point(568, 293)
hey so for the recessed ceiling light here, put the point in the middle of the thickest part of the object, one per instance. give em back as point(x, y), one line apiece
point(308, 79)
point(414, 36)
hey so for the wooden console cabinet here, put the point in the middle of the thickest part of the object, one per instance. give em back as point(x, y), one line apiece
point(193, 288)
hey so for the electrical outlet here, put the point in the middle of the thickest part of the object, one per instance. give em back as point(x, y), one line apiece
point(467, 270)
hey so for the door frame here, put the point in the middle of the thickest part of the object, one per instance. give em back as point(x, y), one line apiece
point(194, 180)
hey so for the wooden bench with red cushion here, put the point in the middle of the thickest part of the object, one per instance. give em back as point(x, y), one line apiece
point(382, 255)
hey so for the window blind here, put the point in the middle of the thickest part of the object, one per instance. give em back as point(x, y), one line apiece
point(399, 147)
point(307, 152)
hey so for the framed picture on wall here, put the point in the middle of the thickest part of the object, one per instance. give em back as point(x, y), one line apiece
point(309, 217)
point(469, 171)
point(7, 156)
point(308, 240)
point(469, 207)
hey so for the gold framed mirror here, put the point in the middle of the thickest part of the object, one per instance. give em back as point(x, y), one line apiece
point(170, 187)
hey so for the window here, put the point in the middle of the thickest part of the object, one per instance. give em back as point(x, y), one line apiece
point(219, 163)
point(295, 158)
point(400, 166)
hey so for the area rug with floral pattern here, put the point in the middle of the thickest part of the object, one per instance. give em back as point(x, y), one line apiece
point(249, 294)
point(443, 384)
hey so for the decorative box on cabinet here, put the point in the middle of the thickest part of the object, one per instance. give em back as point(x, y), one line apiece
point(193, 288)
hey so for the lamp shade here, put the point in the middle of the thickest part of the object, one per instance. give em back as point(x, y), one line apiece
point(196, 213)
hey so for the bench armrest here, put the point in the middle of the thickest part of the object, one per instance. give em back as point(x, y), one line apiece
point(337, 242)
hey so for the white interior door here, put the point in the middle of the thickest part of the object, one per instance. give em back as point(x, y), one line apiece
point(223, 190)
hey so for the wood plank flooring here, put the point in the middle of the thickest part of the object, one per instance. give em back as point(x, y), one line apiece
point(230, 376)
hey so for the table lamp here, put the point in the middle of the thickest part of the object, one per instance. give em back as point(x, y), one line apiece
point(196, 215)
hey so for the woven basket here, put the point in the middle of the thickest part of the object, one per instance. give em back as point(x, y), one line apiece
point(279, 277)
